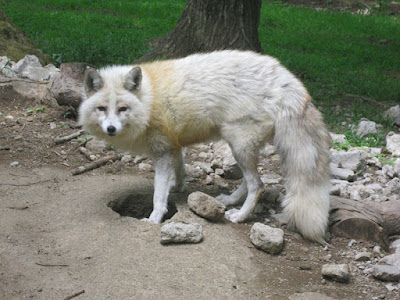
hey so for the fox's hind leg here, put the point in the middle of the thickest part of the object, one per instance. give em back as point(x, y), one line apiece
point(180, 173)
point(245, 140)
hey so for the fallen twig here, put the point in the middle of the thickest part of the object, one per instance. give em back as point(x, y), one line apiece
point(74, 295)
point(62, 139)
point(87, 153)
point(51, 265)
point(367, 100)
point(96, 164)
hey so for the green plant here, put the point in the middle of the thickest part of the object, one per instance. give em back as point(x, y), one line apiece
point(35, 111)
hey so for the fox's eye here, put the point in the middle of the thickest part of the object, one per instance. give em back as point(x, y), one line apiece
point(101, 108)
point(123, 108)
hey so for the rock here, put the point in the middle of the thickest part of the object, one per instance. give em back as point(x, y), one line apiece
point(145, 166)
point(195, 172)
point(14, 164)
point(230, 167)
point(385, 273)
point(339, 138)
point(26, 62)
point(392, 187)
point(39, 73)
point(206, 206)
point(366, 127)
point(392, 259)
point(67, 88)
point(394, 114)
point(336, 272)
point(267, 238)
point(181, 233)
point(310, 296)
point(393, 143)
point(354, 160)
point(269, 195)
point(96, 146)
point(126, 158)
point(343, 174)
point(363, 256)
point(204, 166)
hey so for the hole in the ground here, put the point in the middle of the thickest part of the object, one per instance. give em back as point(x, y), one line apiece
point(138, 205)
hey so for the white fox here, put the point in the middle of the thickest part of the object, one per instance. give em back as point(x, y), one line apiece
point(245, 98)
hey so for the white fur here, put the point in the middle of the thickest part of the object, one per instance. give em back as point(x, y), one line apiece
point(245, 98)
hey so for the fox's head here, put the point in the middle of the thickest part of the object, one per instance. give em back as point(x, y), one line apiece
point(113, 104)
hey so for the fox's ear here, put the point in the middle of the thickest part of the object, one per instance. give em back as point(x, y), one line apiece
point(93, 81)
point(133, 79)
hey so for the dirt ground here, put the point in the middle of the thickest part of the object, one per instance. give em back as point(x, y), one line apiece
point(59, 239)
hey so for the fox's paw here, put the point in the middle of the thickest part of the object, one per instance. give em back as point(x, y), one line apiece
point(155, 217)
point(235, 215)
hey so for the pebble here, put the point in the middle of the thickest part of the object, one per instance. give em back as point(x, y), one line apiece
point(14, 164)
point(386, 273)
point(363, 256)
point(181, 233)
point(336, 272)
point(206, 206)
point(267, 238)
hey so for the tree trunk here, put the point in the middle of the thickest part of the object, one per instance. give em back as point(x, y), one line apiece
point(369, 221)
point(209, 25)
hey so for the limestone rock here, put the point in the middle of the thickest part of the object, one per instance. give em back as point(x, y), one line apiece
point(393, 143)
point(67, 88)
point(206, 206)
point(366, 127)
point(394, 114)
point(267, 238)
point(336, 272)
point(385, 273)
point(181, 233)
point(354, 160)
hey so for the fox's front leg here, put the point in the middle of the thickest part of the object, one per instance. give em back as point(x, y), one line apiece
point(163, 181)
point(180, 173)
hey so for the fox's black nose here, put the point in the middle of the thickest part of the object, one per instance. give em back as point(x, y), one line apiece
point(111, 129)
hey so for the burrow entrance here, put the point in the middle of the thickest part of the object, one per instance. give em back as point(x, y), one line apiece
point(138, 205)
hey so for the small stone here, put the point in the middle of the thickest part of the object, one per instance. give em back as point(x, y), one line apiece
point(342, 174)
point(126, 158)
point(14, 164)
point(366, 127)
point(267, 238)
point(393, 143)
point(363, 256)
point(354, 160)
point(377, 250)
point(336, 272)
point(145, 166)
point(339, 138)
point(181, 233)
point(394, 114)
point(206, 206)
point(53, 125)
point(385, 273)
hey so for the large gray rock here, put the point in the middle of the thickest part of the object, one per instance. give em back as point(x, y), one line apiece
point(393, 143)
point(27, 61)
point(206, 206)
point(181, 233)
point(354, 160)
point(336, 272)
point(342, 174)
point(267, 238)
point(67, 88)
point(223, 152)
point(394, 114)
point(39, 73)
point(385, 273)
point(366, 127)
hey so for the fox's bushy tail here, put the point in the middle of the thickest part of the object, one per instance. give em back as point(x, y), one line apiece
point(303, 143)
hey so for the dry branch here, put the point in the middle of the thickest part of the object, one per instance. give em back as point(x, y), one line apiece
point(62, 139)
point(74, 295)
point(87, 153)
point(96, 164)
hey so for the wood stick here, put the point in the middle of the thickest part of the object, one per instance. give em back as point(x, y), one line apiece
point(87, 153)
point(96, 164)
point(74, 295)
point(62, 139)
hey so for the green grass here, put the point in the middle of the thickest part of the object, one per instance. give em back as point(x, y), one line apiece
point(344, 59)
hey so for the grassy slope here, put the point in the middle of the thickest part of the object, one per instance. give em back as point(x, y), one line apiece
point(335, 54)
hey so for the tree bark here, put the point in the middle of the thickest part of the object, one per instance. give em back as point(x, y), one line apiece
point(209, 25)
point(370, 221)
